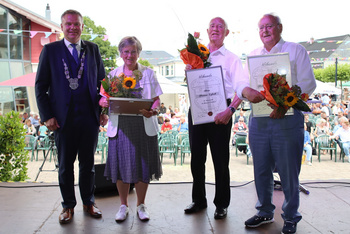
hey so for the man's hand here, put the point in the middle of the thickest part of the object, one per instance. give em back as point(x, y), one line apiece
point(278, 112)
point(188, 67)
point(223, 117)
point(148, 113)
point(103, 119)
point(252, 95)
point(52, 124)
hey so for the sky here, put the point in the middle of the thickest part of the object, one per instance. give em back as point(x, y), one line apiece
point(164, 24)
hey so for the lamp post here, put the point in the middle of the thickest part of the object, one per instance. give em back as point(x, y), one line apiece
point(336, 71)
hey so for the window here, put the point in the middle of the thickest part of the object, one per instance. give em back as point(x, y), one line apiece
point(6, 100)
point(3, 46)
point(16, 69)
point(3, 19)
point(5, 71)
point(166, 70)
point(14, 22)
point(15, 47)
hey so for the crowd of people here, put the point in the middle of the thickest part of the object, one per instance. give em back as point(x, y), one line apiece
point(34, 127)
point(328, 117)
point(171, 120)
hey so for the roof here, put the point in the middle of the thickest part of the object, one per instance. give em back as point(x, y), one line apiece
point(172, 60)
point(328, 47)
point(155, 56)
point(31, 15)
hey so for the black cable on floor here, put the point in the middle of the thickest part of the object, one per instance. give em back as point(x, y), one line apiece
point(308, 184)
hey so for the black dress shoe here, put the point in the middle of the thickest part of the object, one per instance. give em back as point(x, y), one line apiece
point(220, 213)
point(195, 207)
point(289, 227)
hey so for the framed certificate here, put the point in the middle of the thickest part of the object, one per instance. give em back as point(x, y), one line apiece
point(207, 93)
point(261, 65)
point(129, 106)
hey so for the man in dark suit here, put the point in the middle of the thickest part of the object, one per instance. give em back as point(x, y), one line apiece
point(67, 91)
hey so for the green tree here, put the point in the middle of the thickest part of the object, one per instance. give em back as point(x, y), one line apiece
point(328, 74)
point(146, 63)
point(108, 52)
point(318, 74)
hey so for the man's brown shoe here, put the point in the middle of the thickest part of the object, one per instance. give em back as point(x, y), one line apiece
point(66, 215)
point(92, 210)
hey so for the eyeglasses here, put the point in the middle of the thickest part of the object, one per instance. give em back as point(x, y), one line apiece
point(267, 26)
point(127, 52)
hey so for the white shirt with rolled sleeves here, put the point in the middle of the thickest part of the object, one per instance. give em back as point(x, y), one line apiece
point(232, 69)
point(301, 71)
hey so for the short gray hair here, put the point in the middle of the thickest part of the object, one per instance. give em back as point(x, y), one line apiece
point(273, 15)
point(130, 41)
point(226, 26)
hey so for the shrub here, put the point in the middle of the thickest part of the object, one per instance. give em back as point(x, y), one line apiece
point(13, 156)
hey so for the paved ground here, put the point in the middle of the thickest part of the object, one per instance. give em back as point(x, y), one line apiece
point(327, 169)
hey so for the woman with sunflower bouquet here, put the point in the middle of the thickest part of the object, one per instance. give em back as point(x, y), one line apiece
point(133, 155)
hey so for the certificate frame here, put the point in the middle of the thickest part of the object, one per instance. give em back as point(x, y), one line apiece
point(128, 106)
point(206, 93)
point(259, 66)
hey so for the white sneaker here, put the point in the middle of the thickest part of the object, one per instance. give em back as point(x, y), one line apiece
point(309, 163)
point(122, 213)
point(142, 212)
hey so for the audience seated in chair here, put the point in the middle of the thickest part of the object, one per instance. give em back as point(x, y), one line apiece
point(29, 127)
point(166, 126)
point(241, 114)
point(183, 125)
point(343, 134)
point(307, 146)
point(321, 129)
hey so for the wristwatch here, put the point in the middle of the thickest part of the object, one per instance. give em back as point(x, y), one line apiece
point(232, 109)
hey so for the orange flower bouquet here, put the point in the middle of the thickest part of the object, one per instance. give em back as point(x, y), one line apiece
point(195, 53)
point(280, 94)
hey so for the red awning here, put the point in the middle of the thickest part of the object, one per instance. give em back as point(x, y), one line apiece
point(25, 80)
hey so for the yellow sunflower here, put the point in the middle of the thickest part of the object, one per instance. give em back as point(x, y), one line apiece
point(129, 83)
point(290, 99)
point(203, 49)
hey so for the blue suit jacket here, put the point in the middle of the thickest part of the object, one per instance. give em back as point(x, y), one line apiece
point(51, 86)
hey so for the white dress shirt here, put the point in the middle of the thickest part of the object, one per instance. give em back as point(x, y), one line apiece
point(232, 69)
point(301, 70)
point(70, 47)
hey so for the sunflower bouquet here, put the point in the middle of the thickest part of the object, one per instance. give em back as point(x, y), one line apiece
point(280, 94)
point(121, 86)
point(195, 53)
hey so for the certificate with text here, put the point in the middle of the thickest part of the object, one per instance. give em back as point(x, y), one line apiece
point(261, 65)
point(207, 93)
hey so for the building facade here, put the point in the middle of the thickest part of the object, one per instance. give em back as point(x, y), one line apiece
point(22, 37)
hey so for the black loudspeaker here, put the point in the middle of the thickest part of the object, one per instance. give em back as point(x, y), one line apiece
point(101, 183)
